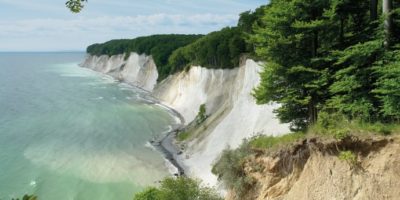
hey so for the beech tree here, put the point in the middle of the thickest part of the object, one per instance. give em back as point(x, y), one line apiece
point(387, 7)
point(75, 5)
point(328, 56)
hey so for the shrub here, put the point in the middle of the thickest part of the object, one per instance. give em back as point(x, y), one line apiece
point(181, 188)
point(182, 136)
point(349, 157)
point(150, 193)
point(28, 197)
point(230, 169)
point(341, 134)
point(329, 123)
point(202, 114)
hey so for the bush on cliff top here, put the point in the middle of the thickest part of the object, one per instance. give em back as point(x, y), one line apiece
point(180, 188)
point(230, 169)
point(27, 197)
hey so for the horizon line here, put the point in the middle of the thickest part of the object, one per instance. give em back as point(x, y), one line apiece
point(47, 51)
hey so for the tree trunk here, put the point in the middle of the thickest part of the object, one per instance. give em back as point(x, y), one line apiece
point(312, 113)
point(374, 9)
point(388, 24)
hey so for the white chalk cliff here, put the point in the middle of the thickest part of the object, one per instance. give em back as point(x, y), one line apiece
point(234, 115)
point(139, 70)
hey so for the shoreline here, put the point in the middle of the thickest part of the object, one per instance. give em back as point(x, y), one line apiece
point(164, 143)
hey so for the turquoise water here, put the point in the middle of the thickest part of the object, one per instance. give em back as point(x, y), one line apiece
point(70, 133)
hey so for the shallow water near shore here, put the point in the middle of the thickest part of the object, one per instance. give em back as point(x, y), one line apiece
point(70, 133)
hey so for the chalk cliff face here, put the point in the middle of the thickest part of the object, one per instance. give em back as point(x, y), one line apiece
point(186, 91)
point(233, 112)
point(139, 70)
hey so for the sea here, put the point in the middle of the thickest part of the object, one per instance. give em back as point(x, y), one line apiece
point(69, 133)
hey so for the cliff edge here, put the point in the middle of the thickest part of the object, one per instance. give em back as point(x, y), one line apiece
point(312, 169)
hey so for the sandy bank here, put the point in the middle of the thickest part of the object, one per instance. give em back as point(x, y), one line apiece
point(312, 169)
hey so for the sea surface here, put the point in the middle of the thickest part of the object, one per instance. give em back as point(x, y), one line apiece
point(68, 133)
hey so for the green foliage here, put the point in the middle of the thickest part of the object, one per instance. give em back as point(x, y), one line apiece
point(341, 134)
point(388, 85)
point(268, 142)
point(28, 197)
point(202, 114)
point(150, 193)
point(339, 127)
point(289, 38)
point(335, 125)
point(349, 157)
point(328, 121)
point(182, 136)
point(220, 49)
point(379, 128)
point(180, 188)
point(230, 169)
point(350, 90)
point(75, 5)
point(327, 56)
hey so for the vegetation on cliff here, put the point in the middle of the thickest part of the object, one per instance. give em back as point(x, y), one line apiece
point(27, 197)
point(173, 53)
point(221, 49)
point(180, 188)
point(334, 56)
point(160, 47)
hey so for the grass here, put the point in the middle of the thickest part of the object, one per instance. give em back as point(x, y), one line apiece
point(267, 142)
point(337, 125)
point(349, 157)
point(331, 126)
point(356, 128)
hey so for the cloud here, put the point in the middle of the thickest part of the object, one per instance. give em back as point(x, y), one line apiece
point(99, 29)
point(113, 24)
point(27, 25)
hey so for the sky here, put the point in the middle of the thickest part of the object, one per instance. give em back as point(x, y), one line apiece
point(47, 25)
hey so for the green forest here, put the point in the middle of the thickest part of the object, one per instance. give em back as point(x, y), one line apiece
point(173, 53)
point(330, 56)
